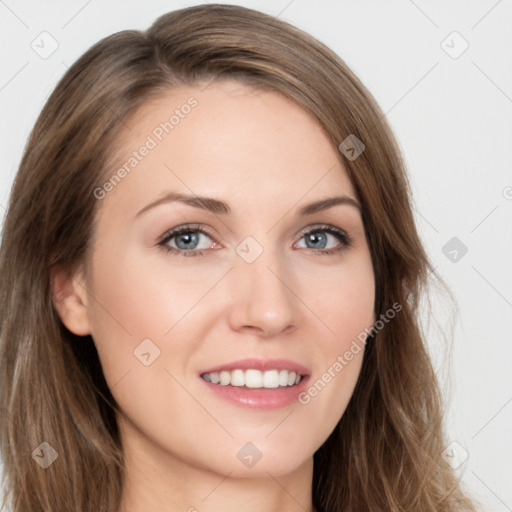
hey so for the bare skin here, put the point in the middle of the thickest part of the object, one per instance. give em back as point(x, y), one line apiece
point(266, 158)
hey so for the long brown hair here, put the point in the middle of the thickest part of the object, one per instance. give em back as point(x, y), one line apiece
point(385, 453)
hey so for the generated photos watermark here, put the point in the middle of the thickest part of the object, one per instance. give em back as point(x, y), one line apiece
point(343, 360)
point(157, 135)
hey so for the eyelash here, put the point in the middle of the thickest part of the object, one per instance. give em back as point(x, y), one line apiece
point(346, 240)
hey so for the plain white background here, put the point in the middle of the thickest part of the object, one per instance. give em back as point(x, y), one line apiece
point(451, 110)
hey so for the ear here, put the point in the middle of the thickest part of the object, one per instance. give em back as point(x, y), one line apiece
point(70, 299)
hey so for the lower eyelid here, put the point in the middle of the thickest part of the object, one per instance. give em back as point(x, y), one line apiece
point(186, 253)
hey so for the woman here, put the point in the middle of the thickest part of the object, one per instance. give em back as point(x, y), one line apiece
point(210, 285)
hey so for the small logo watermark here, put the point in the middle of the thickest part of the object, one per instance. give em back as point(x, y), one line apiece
point(45, 45)
point(454, 45)
point(352, 147)
point(45, 455)
point(146, 352)
point(249, 455)
point(455, 455)
point(454, 249)
point(249, 249)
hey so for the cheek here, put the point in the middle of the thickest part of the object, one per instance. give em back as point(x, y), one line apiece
point(345, 312)
point(142, 299)
point(342, 297)
point(134, 300)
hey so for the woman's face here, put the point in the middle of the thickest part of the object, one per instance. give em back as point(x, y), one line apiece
point(261, 279)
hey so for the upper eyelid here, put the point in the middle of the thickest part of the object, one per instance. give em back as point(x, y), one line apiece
point(170, 233)
point(320, 227)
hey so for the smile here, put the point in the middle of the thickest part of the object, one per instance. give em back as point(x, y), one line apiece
point(252, 378)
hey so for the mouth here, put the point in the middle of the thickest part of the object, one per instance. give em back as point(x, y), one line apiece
point(258, 384)
point(253, 378)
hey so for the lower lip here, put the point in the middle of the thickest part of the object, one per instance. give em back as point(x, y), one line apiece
point(261, 398)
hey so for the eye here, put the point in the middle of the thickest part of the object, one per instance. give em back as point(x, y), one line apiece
point(191, 240)
point(322, 238)
point(186, 241)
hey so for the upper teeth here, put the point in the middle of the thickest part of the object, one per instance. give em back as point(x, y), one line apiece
point(254, 378)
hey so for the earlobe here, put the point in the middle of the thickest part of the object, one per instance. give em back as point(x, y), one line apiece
point(69, 297)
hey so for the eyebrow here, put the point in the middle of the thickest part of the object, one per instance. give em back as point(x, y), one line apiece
point(222, 208)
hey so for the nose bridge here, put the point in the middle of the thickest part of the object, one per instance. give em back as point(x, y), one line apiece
point(261, 293)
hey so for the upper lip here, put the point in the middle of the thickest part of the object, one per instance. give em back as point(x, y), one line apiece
point(259, 364)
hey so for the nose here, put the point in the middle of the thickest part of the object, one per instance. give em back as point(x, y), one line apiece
point(263, 301)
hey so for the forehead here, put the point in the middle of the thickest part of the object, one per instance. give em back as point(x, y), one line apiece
point(227, 140)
